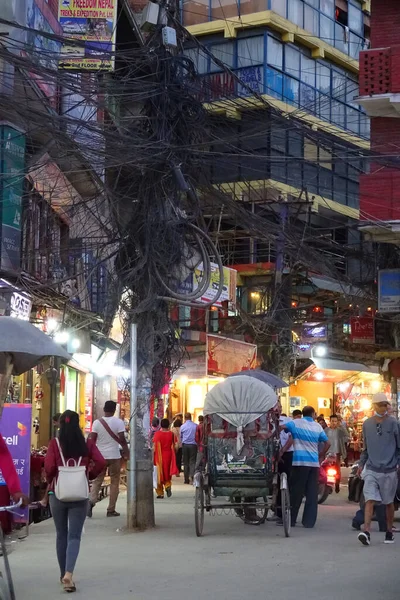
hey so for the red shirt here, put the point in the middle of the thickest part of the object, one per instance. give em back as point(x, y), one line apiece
point(8, 469)
point(94, 462)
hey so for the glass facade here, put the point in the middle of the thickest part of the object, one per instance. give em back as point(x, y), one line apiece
point(316, 16)
point(287, 72)
point(266, 148)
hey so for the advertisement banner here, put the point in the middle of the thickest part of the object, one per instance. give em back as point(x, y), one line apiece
point(16, 427)
point(229, 287)
point(362, 330)
point(313, 332)
point(226, 356)
point(12, 152)
point(89, 29)
point(389, 290)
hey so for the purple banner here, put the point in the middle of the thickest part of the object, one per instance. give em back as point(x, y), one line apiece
point(16, 427)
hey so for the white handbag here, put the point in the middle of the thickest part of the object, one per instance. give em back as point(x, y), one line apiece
point(72, 483)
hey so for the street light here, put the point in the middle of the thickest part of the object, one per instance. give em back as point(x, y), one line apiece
point(62, 337)
point(320, 351)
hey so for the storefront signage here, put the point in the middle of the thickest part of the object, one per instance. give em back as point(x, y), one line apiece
point(389, 291)
point(13, 173)
point(313, 332)
point(228, 289)
point(194, 367)
point(20, 306)
point(362, 330)
point(91, 24)
point(16, 428)
point(226, 356)
point(253, 80)
point(218, 85)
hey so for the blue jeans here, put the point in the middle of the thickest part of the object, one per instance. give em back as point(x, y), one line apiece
point(379, 515)
point(69, 518)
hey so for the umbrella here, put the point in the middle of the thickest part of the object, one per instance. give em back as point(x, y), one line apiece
point(272, 380)
point(22, 346)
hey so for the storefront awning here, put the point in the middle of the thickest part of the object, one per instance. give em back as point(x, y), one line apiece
point(333, 364)
point(332, 285)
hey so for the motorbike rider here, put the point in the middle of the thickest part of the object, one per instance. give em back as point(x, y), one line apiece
point(338, 438)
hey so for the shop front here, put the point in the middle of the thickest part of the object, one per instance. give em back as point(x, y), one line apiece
point(340, 387)
point(206, 366)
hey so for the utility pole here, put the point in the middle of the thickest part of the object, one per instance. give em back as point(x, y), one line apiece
point(132, 471)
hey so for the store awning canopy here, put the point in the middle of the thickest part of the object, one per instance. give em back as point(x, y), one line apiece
point(333, 364)
point(332, 285)
point(335, 370)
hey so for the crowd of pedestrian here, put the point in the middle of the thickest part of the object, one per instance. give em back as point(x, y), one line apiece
point(307, 439)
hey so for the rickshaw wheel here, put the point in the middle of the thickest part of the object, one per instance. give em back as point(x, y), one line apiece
point(199, 510)
point(285, 501)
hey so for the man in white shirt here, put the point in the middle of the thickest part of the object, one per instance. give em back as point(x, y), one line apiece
point(109, 435)
point(285, 460)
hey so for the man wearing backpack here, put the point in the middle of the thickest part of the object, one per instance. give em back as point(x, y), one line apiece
point(109, 435)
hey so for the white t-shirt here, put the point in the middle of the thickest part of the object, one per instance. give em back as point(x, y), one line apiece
point(108, 447)
point(285, 436)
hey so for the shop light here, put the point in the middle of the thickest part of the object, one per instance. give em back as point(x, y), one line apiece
point(320, 351)
point(118, 371)
point(319, 376)
point(62, 337)
point(365, 404)
point(255, 294)
point(52, 325)
point(184, 379)
point(376, 385)
point(343, 386)
point(75, 344)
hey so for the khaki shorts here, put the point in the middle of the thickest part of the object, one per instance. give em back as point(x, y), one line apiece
point(380, 487)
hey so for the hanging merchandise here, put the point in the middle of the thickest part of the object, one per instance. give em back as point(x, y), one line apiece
point(62, 382)
point(38, 396)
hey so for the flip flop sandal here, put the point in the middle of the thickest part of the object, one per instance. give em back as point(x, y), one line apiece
point(69, 586)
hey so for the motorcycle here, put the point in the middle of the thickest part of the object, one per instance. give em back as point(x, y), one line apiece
point(329, 479)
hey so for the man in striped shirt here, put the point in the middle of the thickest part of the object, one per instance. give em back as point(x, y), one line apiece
point(310, 445)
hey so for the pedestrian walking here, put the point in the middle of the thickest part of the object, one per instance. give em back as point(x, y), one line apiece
point(69, 516)
point(155, 426)
point(337, 437)
point(310, 445)
point(200, 442)
point(109, 435)
point(378, 466)
point(189, 447)
point(164, 442)
point(176, 430)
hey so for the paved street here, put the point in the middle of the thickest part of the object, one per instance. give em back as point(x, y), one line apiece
point(231, 562)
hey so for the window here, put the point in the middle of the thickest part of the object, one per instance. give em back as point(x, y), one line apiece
point(295, 144)
point(341, 38)
point(311, 20)
point(338, 85)
point(328, 7)
point(292, 61)
point(279, 6)
point(325, 159)
point(250, 51)
point(355, 45)
point(291, 91)
point(274, 53)
point(356, 20)
point(223, 52)
point(199, 59)
point(326, 29)
point(308, 70)
point(323, 78)
point(351, 92)
point(323, 107)
point(352, 119)
point(338, 116)
point(274, 83)
point(307, 98)
point(295, 12)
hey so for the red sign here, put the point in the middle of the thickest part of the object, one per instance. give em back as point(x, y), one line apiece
point(362, 330)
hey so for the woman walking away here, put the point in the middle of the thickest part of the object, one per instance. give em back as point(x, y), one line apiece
point(176, 430)
point(164, 458)
point(69, 463)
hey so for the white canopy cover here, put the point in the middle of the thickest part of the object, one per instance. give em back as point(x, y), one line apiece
point(240, 401)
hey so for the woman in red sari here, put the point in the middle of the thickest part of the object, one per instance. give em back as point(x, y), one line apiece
point(164, 458)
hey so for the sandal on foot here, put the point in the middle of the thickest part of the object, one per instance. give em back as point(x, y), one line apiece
point(69, 586)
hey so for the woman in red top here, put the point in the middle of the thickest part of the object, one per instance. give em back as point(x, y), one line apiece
point(69, 517)
point(164, 458)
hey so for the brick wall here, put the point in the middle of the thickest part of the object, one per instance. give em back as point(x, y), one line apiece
point(385, 23)
point(380, 196)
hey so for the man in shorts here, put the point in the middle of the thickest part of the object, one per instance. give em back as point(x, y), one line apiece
point(378, 466)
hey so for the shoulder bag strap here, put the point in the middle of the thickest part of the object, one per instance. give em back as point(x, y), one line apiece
point(61, 452)
point(109, 431)
point(65, 463)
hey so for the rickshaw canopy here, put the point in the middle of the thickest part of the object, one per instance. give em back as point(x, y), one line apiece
point(240, 401)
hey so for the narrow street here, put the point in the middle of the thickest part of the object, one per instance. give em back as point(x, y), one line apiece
point(232, 561)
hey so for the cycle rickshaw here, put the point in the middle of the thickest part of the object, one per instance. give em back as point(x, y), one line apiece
point(240, 459)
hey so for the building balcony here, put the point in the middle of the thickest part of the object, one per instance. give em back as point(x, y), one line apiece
point(380, 205)
point(380, 82)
